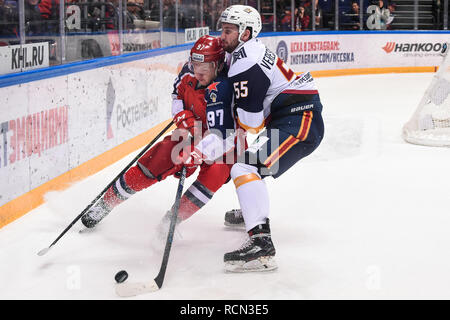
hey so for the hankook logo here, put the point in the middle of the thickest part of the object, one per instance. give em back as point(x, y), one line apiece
point(414, 47)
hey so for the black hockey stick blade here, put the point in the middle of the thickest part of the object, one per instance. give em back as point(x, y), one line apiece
point(131, 289)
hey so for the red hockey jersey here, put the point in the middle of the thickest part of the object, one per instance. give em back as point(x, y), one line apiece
point(189, 95)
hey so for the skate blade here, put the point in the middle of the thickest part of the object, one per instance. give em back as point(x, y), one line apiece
point(85, 230)
point(239, 226)
point(262, 264)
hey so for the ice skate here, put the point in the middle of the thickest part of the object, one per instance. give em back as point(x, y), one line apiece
point(94, 215)
point(234, 219)
point(255, 255)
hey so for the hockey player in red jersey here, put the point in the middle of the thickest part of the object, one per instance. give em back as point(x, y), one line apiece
point(188, 109)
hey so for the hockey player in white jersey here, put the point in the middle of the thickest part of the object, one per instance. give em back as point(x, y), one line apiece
point(285, 109)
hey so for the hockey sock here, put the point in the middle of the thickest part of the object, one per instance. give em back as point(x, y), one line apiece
point(193, 199)
point(132, 181)
point(252, 193)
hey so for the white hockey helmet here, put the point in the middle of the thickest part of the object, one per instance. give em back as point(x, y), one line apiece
point(242, 16)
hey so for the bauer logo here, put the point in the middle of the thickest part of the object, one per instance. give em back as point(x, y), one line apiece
point(282, 51)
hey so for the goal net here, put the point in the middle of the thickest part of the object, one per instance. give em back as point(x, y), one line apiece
point(430, 123)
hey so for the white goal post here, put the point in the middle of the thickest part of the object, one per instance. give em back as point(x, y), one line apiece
point(430, 123)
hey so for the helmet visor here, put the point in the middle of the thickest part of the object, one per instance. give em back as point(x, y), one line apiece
point(201, 67)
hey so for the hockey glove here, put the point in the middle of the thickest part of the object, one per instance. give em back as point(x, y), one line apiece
point(185, 120)
point(191, 160)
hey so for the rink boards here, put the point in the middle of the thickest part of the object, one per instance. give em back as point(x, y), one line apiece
point(62, 124)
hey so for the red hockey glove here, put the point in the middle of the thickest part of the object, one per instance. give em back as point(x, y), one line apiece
point(191, 160)
point(185, 120)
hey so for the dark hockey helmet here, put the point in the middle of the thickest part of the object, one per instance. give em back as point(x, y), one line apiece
point(208, 49)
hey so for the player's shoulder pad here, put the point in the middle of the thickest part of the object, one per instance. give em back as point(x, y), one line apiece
point(216, 92)
point(246, 57)
point(185, 73)
point(221, 83)
point(185, 69)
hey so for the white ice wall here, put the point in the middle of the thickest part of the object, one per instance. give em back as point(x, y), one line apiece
point(52, 125)
point(349, 50)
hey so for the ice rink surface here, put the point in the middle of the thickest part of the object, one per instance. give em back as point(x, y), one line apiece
point(366, 216)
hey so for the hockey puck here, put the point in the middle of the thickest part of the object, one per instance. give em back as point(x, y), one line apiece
point(121, 276)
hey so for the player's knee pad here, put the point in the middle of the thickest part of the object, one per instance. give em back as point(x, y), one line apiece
point(214, 176)
point(242, 173)
point(136, 180)
point(157, 162)
point(189, 171)
point(240, 169)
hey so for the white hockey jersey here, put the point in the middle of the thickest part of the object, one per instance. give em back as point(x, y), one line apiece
point(258, 76)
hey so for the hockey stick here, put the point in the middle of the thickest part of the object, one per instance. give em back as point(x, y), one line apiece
point(125, 289)
point(45, 250)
